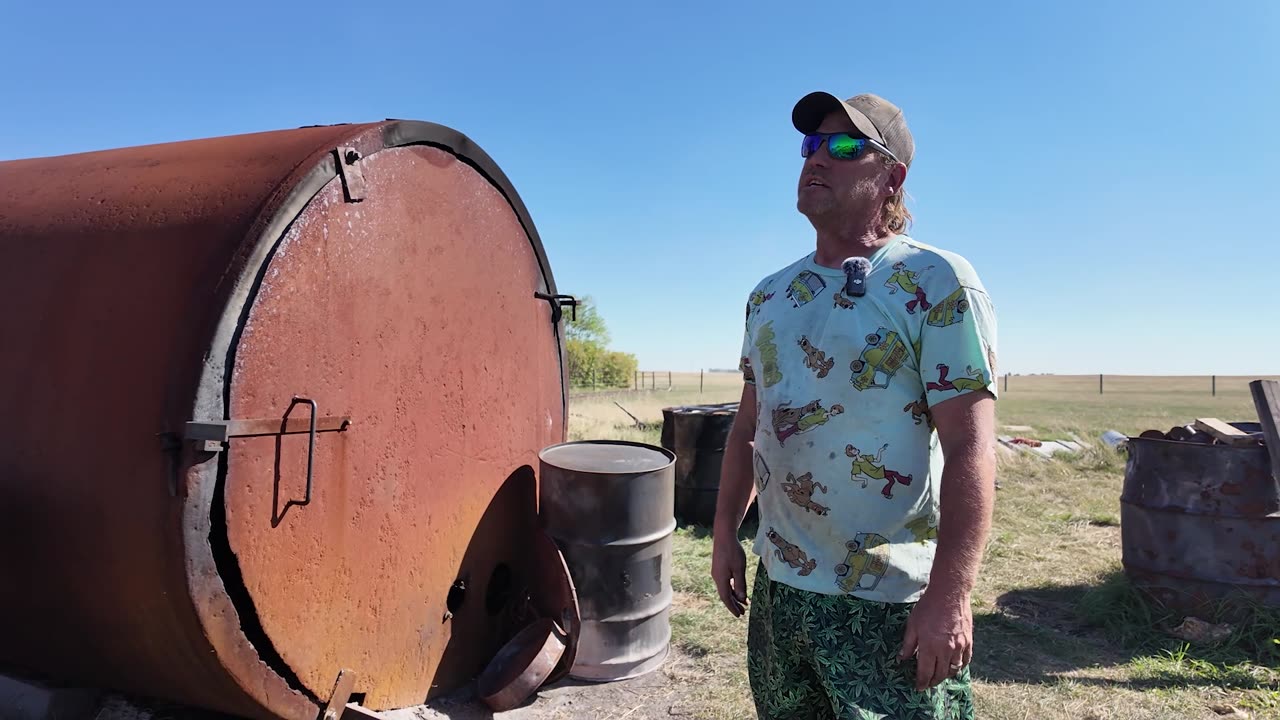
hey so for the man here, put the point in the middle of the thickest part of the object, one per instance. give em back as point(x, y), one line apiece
point(862, 610)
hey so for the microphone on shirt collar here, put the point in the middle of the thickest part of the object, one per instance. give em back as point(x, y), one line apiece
point(855, 272)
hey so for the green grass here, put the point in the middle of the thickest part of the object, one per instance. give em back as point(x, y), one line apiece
point(1059, 631)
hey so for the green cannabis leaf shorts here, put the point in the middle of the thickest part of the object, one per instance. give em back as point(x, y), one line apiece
point(834, 657)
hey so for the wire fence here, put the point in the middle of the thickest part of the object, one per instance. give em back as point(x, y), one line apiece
point(658, 381)
point(1109, 384)
point(720, 381)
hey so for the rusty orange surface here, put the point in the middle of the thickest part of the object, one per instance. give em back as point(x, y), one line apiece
point(142, 275)
point(414, 313)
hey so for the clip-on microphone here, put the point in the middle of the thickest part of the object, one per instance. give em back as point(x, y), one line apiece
point(855, 271)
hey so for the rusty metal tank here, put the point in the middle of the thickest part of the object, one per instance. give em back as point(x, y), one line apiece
point(271, 408)
point(610, 506)
point(1200, 523)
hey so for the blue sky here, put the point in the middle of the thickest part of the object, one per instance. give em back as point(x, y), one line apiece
point(1112, 170)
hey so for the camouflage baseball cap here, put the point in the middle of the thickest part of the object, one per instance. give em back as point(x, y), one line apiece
point(874, 117)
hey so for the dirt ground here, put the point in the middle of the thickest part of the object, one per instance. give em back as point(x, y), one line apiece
point(663, 693)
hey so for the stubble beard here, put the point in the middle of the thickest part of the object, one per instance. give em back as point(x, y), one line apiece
point(825, 209)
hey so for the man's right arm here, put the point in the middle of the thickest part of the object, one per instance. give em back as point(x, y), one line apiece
point(737, 489)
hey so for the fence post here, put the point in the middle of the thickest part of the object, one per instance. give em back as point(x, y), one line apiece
point(1099, 383)
point(701, 376)
point(668, 379)
point(1006, 382)
point(593, 378)
point(636, 381)
point(1214, 386)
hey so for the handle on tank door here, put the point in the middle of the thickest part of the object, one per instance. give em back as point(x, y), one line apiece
point(212, 434)
point(557, 305)
point(311, 442)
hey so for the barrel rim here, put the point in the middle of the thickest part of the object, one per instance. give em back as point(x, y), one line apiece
point(671, 456)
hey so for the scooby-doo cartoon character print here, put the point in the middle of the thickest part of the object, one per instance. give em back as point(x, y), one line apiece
point(845, 455)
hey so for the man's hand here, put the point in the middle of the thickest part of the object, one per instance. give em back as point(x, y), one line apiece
point(729, 570)
point(940, 635)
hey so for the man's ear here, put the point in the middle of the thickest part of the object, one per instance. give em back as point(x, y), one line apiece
point(897, 177)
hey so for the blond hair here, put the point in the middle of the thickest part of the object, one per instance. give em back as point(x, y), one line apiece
point(894, 215)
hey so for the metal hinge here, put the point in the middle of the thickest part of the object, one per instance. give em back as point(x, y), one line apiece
point(558, 302)
point(350, 172)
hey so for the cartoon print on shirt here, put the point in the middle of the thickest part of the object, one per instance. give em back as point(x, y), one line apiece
point(841, 301)
point(865, 564)
point(870, 466)
point(791, 554)
point(974, 380)
point(800, 491)
point(884, 355)
point(788, 421)
point(758, 298)
point(924, 528)
point(805, 287)
point(814, 358)
point(762, 473)
point(950, 311)
point(919, 410)
point(748, 374)
point(908, 281)
point(768, 354)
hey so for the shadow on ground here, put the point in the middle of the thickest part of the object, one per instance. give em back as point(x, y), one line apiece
point(1036, 635)
point(746, 533)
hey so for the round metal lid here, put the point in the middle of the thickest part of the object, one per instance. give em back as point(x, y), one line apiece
point(607, 456)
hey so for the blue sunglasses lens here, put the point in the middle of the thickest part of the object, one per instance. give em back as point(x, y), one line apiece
point(810, 145)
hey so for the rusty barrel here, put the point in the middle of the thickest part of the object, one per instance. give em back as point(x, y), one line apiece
point(272, 408)
point(610, 507)
point(1200, 524)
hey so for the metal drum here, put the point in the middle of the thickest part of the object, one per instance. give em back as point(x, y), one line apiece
point(610, 506)
point(697, 435)
point(1201, 523)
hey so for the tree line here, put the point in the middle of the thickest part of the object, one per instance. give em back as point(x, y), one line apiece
point(590, 361)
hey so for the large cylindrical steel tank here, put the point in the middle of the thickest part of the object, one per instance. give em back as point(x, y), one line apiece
point(1200, 524)
point(176, 316)
point(610, 506)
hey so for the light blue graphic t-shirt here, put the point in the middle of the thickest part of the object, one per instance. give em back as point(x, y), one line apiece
point(847, 463)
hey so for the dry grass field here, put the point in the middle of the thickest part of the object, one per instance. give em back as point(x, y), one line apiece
point(1059, 633)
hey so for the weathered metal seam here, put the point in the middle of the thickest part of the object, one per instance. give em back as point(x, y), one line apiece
point(211, 402)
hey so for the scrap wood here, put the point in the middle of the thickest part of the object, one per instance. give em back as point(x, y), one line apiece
point(1042, 448)
point(1266, 398)
point(633, 417)
point(1225, 433)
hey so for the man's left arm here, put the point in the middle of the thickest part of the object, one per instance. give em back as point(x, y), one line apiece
point(940, 629)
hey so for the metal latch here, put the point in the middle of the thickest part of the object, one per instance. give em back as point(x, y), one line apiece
point(558, 302)
point(213, 434)
point(350, 172)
